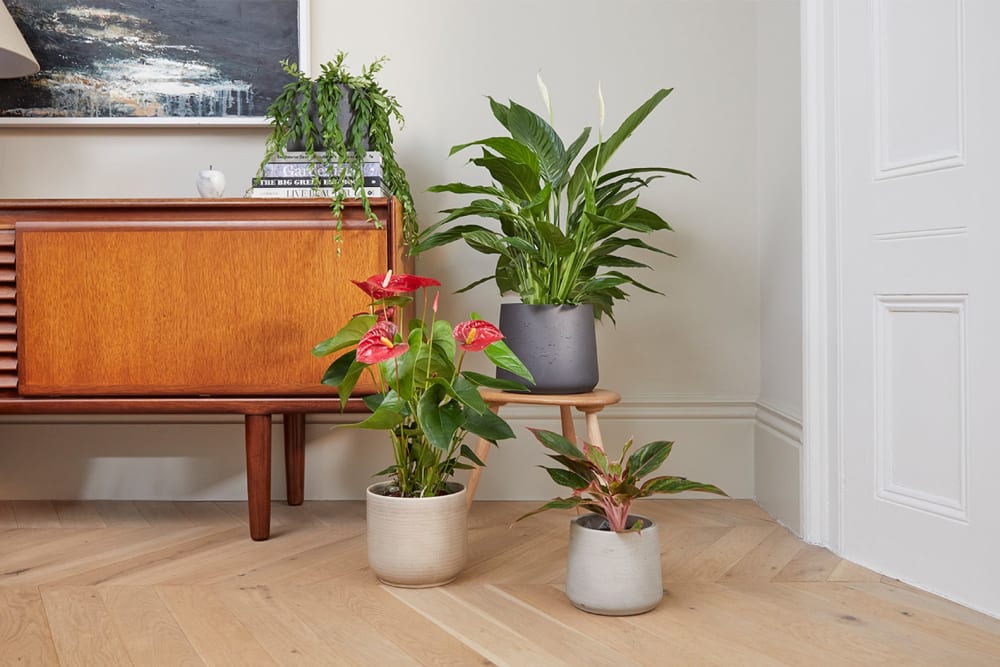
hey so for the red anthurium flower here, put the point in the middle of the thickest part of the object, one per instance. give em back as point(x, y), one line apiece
point(377, 345)
point(387, 284)
point(476, 335)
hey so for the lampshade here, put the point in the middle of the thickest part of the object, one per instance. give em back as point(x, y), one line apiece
point(15, 56)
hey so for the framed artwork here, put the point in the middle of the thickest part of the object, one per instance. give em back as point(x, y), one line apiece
point(154, 62)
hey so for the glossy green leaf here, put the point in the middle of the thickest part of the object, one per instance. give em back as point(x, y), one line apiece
point(567, 478)
point(348, 335)
point(648, 458)
point(471, 455)
point(596, 456)
point(502, 357)
point(531, 129)
point(668, 484)
point(439, 421)
point(481, 380)
point(467, 392)
point(557, 443)
point(555, 504)
point(487, 425)
point(507, 147)
point(388, 414)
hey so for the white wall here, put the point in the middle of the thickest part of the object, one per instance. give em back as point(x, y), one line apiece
point(687, 365)
point(778, 432)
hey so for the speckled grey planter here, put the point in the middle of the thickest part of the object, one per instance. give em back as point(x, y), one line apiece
point(558, 344)
point(345, 119)
point(613, 574)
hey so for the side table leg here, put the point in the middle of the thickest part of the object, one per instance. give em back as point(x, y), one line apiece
point(594, 429)
point(258, 445)
point(295, 457)
point(482, 451)
point(568, 429)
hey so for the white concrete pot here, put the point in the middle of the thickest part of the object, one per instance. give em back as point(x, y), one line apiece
point(417, 542)
point(614, 574)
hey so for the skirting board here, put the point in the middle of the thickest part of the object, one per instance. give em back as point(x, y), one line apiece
point(160, 457)
point(777, 465)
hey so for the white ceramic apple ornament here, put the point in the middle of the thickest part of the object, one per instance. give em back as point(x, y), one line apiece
point(210, 182)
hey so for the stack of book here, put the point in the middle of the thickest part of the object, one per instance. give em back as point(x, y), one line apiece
point(297, 174)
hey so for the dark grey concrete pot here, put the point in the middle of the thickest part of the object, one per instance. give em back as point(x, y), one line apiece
point(558, 344)
point(345, 119)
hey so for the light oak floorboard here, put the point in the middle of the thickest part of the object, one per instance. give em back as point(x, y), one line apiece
point(35, 514)
point(25, 638)
point(121, 514)
point(77, 514)
point(7, 518)
point(148, 629)
point(151, 583)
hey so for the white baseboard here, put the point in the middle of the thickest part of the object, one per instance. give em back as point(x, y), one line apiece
point(200, 457)
point(751, 449)
point(777, 465)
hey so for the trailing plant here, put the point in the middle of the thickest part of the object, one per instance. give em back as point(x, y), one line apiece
point(425, 401)
point(608, 487)
point(561, 220)
point(305, 117)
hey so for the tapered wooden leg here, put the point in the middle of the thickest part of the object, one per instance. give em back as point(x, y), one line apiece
point(568, 429)
point(258, 443)
point(594, 430)
point(295, 457)
point(482, 451)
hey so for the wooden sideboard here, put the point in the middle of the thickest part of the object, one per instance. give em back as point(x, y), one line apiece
point(186, 306)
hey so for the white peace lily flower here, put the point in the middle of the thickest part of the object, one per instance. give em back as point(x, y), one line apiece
point(545, 94)
point(600, 107)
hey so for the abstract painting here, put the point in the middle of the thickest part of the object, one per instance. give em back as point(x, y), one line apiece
point(122, 62)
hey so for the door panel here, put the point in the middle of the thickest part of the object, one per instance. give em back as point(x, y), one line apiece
point(918, 147)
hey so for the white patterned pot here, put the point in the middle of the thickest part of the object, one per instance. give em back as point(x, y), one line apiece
point(614, 574)
point(417, 542)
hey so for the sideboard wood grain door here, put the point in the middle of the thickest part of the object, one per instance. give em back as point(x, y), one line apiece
point(184, 308)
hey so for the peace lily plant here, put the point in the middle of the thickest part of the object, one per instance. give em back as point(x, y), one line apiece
point(609, 487)
point(562, 221)
point(425, 400)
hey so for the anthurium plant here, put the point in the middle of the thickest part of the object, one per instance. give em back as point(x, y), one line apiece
point(561, 220)
point(425, 401)
point(609, 487)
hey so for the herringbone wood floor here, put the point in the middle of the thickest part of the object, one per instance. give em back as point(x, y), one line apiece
point(150, 583)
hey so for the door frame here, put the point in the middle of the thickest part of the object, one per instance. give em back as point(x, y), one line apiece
point(822, 475)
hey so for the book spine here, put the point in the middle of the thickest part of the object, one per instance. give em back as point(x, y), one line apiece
point(308, 182)
point(326, 193)
point(302, 156)
point(308, 169)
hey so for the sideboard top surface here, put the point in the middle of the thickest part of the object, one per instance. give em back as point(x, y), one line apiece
point(230, 209)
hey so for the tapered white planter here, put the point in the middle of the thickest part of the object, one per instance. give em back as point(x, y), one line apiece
point(614, 574)
point(417, 542)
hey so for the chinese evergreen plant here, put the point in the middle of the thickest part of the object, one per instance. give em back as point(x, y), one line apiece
point(609, 487)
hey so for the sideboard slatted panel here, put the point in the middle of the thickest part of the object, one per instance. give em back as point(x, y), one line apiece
point(8, 313)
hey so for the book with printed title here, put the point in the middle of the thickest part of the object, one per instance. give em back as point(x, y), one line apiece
point(309, 182)
point(320, 156)
point(309, 169)
point(326, 193)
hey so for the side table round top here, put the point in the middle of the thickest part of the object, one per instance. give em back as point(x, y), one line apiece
point(598, 398)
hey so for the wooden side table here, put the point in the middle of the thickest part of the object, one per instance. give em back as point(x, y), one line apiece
point(589, 404)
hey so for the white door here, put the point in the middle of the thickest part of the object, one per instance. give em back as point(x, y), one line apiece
point(919, 281)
